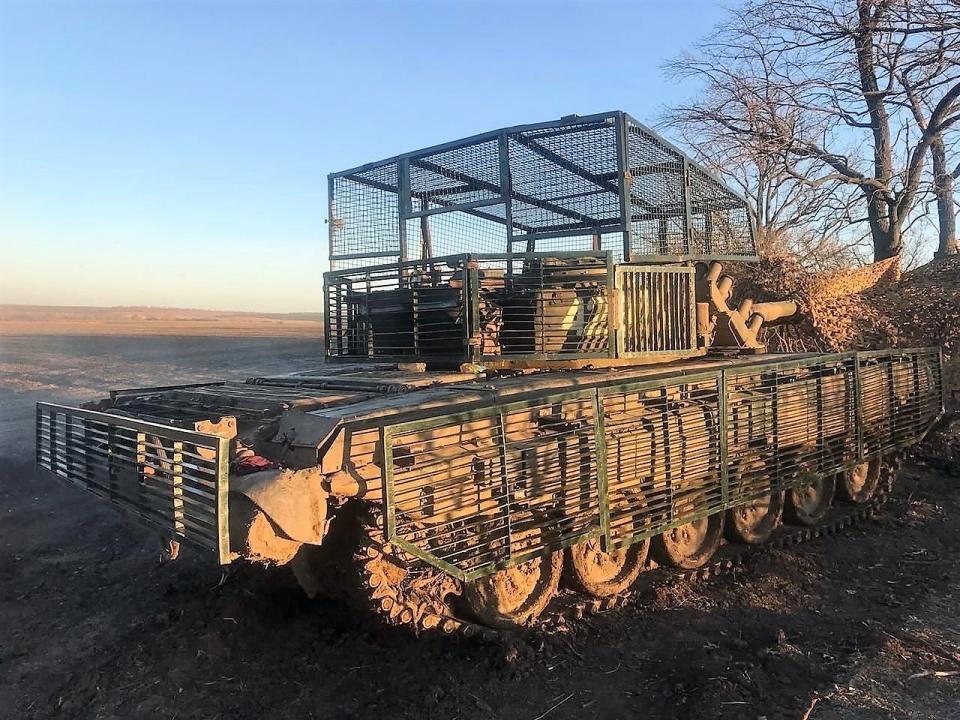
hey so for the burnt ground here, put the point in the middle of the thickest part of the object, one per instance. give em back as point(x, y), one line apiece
point(91, 626)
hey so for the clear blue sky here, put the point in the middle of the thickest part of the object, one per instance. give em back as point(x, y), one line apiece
point(175, 154)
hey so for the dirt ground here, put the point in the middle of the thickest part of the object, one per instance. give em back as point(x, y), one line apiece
point(49, 320)
point(91, 626)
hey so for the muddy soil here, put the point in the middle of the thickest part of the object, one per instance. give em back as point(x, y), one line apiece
point(91, 626)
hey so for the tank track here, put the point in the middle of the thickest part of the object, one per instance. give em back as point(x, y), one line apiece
point(420, 599)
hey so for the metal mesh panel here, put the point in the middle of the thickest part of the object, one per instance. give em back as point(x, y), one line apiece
point(456, 232)
point(364, 217)
point(174, 480)
point(478, 493)
point(556, 183)
point(902, 393)
point(719, 221)
point(548, 306)
point(244, 401)
point(611, 242)
point(462, 175)
point(386, 312)
point(677, 208)
point(662, 455)
point(565, 177)
point(787, 422)
point(471, 492)
point(528, 305)
point(656, 309)
point(656, 187)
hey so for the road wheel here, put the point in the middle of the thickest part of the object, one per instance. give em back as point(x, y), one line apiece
point(600, 574)
point(689, 546)
point(516, 596)
point(809, 504)
point(859, 483)
point(753, 522)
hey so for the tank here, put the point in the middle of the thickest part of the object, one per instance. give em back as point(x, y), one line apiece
point(537, 386)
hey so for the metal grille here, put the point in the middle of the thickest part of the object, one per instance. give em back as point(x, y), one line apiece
point(244, 401)
point(452, 233)
point(662, 456)
point(788, 422)
point(901, 391)
point(656, 310)
point(565, 178)
point(466, 174)
point(364, 217)
point(474, 493)
point(581, 183)
point(611, 242)
point(465, 307)
point(656, 188)
point(385, 311)
point(547, 307)
point(175, 480)
point(678, 209)
point(719, 221)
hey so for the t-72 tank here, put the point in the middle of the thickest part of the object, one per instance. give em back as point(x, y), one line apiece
point(537, 382)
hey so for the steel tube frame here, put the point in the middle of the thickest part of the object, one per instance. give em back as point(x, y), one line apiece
point(506, 195)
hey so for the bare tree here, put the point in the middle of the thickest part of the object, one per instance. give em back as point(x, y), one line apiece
point(817, 90)
point(929, 63)
point(943, 184)
point(790, 216)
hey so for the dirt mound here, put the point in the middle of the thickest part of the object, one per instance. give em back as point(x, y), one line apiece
point(837, 310)
point(872, 307)
point(869, 308)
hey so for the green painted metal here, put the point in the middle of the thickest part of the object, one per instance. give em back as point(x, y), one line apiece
point(858, 395)
point(89, 440)
point(847, 364)
point(223, 507)
point(724, 439)
point(505, 476)
point(386, 468)
point(497, 413)
point(602, 494)
point(66, 435)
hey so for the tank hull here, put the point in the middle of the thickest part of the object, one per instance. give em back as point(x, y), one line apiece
point(465, 477)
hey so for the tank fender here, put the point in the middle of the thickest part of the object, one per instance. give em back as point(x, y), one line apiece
point(294, 500)
point(301, 439)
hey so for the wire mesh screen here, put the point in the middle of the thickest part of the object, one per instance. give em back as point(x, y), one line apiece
point(901, 393)
point(662, 455)
point(364, 217)
point(457, 232)
point(788, 423)
point(611, 242)
point(565, 178)
point(677, 208)
point(545, 187)
point(476, 493)
point(466, 174)
point(656, 191)
point(719, 221)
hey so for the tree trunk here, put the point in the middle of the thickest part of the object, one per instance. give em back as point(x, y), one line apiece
point(884, 227)
point(884, 223)
point(943, 189)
